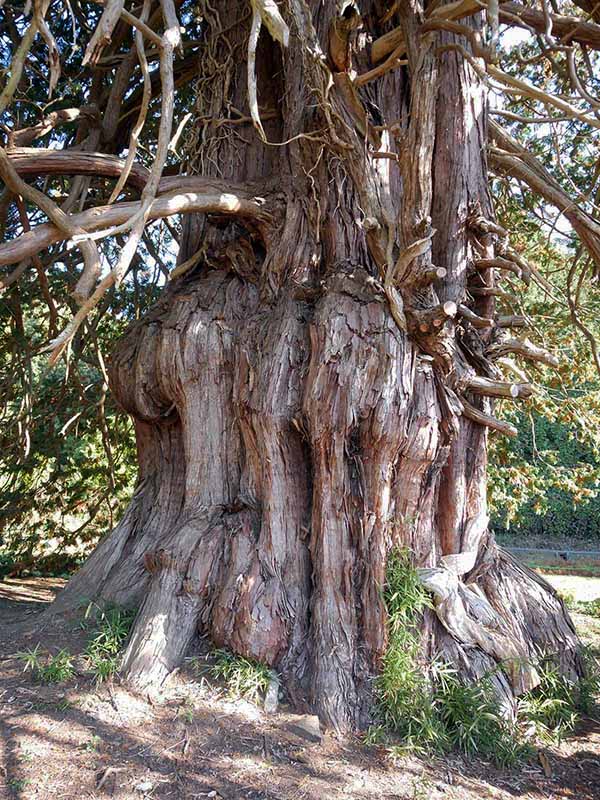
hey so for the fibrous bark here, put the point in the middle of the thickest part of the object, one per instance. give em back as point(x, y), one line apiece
point(297, 395)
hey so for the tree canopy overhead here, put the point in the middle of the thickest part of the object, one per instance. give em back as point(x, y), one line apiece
point(315, 184)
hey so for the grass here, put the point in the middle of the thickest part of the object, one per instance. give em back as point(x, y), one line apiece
point(242, 677)
point(48, 668)
point(102, 652)
point(433, 711)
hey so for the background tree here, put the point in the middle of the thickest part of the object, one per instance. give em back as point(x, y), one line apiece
point(313, 388)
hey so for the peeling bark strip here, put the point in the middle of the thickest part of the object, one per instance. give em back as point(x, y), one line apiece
point(296, 391)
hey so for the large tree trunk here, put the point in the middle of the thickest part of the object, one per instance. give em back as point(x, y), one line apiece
point(297, 408)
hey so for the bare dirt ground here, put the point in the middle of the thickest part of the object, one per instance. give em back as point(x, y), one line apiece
point(77, 740)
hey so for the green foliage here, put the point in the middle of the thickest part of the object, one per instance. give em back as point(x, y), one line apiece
point(112, 626)
point(67, 455)
point(433, 710)
point(589, 607)
point(54, 669)
point(242, 677)
point(555, 705)
point(546, 481)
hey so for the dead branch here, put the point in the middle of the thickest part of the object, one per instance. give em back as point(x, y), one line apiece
point(476, 415)
point(500, 263)
point(209, 196)
point(394, 40)
point(40, 8)
point(474, 319)
point(524, 348)
point(487, 291)
point(24, 137)
point(146, 97)
point(492, 388)
point(512, 321)
point(431, 320)
point(565, 28)
point(515, 161)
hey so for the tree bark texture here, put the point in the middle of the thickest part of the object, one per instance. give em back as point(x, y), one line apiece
point(297, 395)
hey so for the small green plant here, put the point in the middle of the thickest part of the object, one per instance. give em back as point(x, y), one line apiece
point(93, 743)
point(112, 626)
point(556, 704)
point(435, 711)
point(243, 678)
point(56, 669)
point(31, 659)
point(18, 784)
point(568, 599)
point(375, 734)
point(404, 698)
point(59, 668)
point(589, 607)
point(186, 710)
point(474, 722)
point(552, 705)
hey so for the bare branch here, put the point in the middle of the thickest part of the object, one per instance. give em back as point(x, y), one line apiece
point(524, 348)
point(146, 97)
point(41, 161)
point(208, 196)
point(515, 161)
point(476, 415)
point(24, 137)
point(492, 388)
point(475, 320)
point(18, 186)
point(563, 27)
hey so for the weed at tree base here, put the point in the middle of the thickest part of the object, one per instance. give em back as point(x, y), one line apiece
point(103, 649)
point(56, 669)
point(434, 711)
point(242, 677)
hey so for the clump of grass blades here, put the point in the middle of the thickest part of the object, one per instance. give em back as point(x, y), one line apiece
point(434, 710)
point(554, 706)
point(56, 669)
point(102, 652)
point(243, 678)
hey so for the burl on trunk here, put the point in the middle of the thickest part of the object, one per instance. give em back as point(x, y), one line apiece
point(316, 390)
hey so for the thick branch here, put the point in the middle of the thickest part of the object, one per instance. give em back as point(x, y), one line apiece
point(563, 27)
point(524, 348)
point(207, 197)
point(475, 320)
point(33, 161)
point(500, 263)
point(476, 415)
point(24, 137)
point(394, 40)
point(492, 388)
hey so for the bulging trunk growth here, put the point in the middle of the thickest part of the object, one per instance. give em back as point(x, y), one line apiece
point(316, 390)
